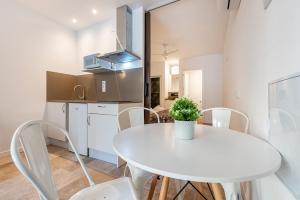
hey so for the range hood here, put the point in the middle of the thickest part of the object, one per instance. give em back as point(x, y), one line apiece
point(121, 59)
point(123, 54)
point(120, 56)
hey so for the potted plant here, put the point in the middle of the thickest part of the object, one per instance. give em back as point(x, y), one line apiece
point(185, 113)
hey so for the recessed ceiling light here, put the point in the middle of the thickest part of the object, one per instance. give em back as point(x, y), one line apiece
point(94, 11)
point(74, 20)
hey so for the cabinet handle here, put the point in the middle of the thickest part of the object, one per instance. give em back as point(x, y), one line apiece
point(89, 120)
point(101, 106)
point(63, 108)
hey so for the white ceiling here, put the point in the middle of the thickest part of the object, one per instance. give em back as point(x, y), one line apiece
point(194, 27)
point(63, 11)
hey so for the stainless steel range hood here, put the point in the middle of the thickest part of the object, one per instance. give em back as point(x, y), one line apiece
point(123, 54)
point(121, 59)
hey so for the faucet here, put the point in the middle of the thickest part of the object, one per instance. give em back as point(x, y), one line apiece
point(81, 97)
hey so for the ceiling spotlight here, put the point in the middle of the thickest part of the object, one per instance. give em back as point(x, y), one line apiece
point(74, 20)
point(94, 11)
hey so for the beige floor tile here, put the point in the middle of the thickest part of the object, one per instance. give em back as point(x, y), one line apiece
point(69, 177)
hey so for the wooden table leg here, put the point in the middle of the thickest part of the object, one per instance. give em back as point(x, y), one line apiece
point(218, 191)
point(164, 188)
point(152, 188)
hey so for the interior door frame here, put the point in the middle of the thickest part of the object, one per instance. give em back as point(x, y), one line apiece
point(147, 67)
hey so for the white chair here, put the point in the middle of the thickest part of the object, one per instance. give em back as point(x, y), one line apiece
point(136, 116)
point(221, 117)
point(38, 169)
point(140, 177)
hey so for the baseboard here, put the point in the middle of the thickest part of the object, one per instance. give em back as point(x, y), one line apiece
point(58, 143)
point(107, 157)
point(53, 141)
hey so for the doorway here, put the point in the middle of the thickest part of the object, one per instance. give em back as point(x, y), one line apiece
point(193, 85)
point(164, 50)
point(155, 91)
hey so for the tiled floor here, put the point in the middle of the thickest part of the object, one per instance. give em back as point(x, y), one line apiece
point(69, 177)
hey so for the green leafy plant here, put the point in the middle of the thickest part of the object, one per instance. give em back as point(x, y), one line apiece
point(184, 109)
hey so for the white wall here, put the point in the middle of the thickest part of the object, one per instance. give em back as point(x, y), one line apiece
point(194, 27)
point(98, 38)
point(212, 68)
point(261, 46)
point(101, 37)
point(30, 45)
point(193, 85)
point(212, 73)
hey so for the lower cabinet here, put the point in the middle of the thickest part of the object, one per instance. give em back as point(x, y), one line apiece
point(102, 127)
point(101, 131)
point(56, 113)
point(78, 127)
point(91, 127)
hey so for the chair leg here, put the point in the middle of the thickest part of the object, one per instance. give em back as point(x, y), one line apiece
point(139, 178)
point(246, 189)
point(164, 188)
point(152, 188)
point(126, 170)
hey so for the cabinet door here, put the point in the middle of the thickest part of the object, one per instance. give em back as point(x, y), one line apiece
point(101, 130)
point(78, 127)
point(56, 113)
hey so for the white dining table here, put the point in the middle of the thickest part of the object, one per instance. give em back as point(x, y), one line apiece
point(215, 155)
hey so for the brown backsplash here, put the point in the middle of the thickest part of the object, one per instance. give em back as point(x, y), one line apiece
point(89, 83)
point(60, 86)
point(120, 86)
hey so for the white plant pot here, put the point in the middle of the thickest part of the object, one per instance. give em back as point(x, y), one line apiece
point(184, 129)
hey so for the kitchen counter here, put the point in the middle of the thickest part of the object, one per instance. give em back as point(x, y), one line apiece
point(91, 101)
point(73, 101)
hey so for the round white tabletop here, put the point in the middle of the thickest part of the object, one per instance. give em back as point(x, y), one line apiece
point(214, 155)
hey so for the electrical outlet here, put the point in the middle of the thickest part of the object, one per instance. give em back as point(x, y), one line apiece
point(103, 86)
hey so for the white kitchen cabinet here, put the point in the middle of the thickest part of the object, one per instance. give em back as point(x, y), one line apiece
point(102, 127)
point(78, 127)
point(56, 113)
